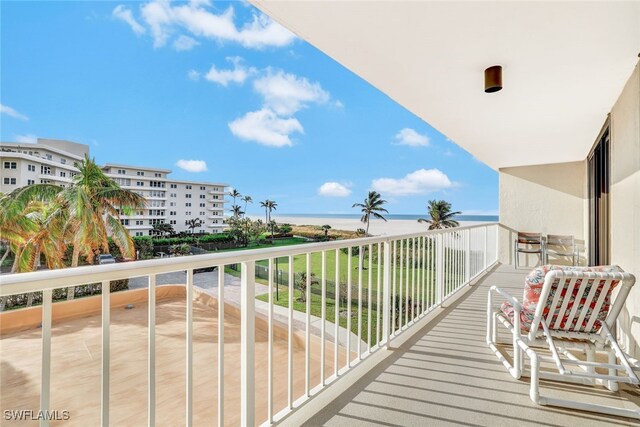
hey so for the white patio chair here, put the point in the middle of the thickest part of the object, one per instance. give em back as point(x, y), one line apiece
point(549, 317)
point(528, 243)
point(561, 246)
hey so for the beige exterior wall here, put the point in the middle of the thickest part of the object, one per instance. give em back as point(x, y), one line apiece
point(549, 199)
point(625, 201)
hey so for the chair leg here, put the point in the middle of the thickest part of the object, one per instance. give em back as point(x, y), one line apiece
point(612, 385)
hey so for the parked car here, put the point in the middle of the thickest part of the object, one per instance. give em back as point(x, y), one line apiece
point(106, 259)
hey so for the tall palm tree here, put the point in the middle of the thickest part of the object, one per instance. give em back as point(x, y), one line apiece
point(93, 203)
point(272, 205)
point(371, 207)
point(193, 223)
point(441, 215)
point(235, 194)
point(246, 200)
point(265, 205)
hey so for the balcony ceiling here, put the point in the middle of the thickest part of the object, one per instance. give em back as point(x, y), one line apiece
point(565, 65)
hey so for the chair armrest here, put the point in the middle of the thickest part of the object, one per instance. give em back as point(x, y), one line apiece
point(513, 301)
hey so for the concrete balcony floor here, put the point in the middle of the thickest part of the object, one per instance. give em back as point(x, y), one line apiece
point(444, 374)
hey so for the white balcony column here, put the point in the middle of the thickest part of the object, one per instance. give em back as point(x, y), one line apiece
point(247, 343)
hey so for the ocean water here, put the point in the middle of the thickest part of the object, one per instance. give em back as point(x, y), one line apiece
point(478, 218)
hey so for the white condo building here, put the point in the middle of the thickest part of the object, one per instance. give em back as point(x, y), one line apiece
point(168, 200)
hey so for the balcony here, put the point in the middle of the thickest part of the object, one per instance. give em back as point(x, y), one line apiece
point(395, 283)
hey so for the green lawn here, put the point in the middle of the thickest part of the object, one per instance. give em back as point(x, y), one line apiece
point(316, 309)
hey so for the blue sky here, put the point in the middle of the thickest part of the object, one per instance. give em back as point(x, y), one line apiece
point(218, 86)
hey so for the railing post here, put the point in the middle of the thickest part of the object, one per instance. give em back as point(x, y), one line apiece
point(45, 383)
point(386, 293)
point(439, 269)
point(467, 256)
point(486, 247)
point(247, 344)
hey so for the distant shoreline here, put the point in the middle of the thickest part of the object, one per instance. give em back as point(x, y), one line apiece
point(396, 224)
point(464, 218)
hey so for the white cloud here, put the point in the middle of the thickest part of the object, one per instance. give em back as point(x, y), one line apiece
point(408, 136)
point(287, 93)
point(164, 20)
point(26, 139)
point(124, 14)
point(183, 43)
point(4, 109)
point(266, 127)
point(192, 165)
point(421, 181)
point(238, 74)
point(193, 75)
point(334, 189)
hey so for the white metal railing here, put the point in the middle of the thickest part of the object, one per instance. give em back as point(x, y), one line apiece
point(407, 277)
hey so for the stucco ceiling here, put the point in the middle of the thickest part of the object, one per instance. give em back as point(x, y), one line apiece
point(565, 64)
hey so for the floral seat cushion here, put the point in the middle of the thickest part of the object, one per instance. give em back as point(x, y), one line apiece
point(533, 287)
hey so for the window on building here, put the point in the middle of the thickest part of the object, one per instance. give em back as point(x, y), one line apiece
point(10, 181)
point(187, 213)
point(139, 233)
point(202, 205)
point(124, 221)
point(174, 185)
point(157, 184)
point(202, 213)
point(173, 222)
point(172, 213)
point(187, 196)
point(158, 175)
point(172, 195)
point(139, 222)
point(63, 161)
point(215, 197)
point(203, 188)
point(140, 173)
point(45, 181)
point(63, 174)
point(140, 183)
point(203, 196)
point(31, 168)
point(121, 172)
point(31, 182)
point(188, 187)
point(45, 170)
point(48, 156)
point(10, 165)
point(188, 204)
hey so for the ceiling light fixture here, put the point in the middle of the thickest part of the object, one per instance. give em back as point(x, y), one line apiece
point(493, 79)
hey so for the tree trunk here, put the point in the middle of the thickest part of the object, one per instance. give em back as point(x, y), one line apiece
point(6, 254)
point(74, 263)
point(366, 233)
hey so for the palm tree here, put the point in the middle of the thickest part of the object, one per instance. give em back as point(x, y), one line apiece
point(193, 223)
point(326, 229)
point(235, 194)
point(236, 210)
point(246, 200)
point(372, 206)
point(162, 228)
point(272, 205)
point(441, 215)
point(93, 203)
point(265, 205)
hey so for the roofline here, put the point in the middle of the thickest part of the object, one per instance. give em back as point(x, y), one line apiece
point(180, 181)
point(146, 168)
point(32, 147)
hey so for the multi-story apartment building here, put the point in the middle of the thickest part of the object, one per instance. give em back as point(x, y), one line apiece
point(168, 200)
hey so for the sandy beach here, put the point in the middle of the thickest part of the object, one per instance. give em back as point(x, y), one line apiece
point(377, 227)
